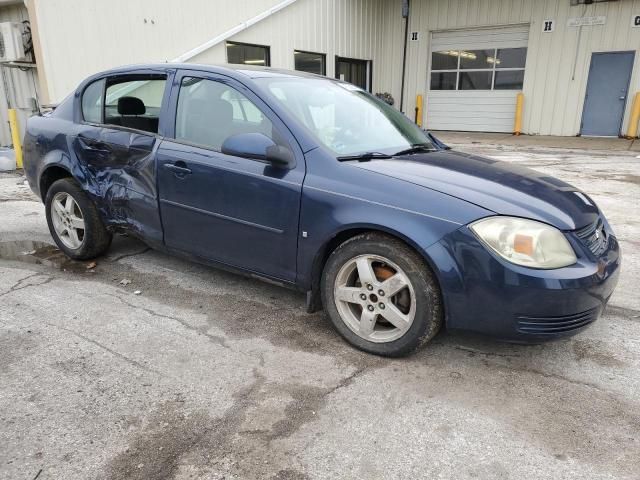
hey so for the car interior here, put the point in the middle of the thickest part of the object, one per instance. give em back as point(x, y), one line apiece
point(134, 102)
point(131, 112)
point(210, 112)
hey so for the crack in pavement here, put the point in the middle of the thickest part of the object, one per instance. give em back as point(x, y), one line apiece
point(126, 255)
point(218, 340)
point(512, 368)
point(107, 349)
point(628, 313)
point(19, 284)
point(481, 352)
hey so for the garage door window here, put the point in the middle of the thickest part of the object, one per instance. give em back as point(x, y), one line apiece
point(487, 69)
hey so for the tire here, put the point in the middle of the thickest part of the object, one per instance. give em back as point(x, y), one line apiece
point(381, 331)
point(89, 242)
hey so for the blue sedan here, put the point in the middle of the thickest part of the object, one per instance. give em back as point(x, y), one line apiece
point(317, 185)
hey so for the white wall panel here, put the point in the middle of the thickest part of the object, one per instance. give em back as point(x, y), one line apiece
point(467, 110)
point(507, 36)
point(359, 29)
point(81, 37)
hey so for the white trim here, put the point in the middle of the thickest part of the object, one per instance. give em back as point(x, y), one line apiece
point(229, 33)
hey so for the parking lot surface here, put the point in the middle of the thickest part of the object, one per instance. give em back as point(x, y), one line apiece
point(145, 366)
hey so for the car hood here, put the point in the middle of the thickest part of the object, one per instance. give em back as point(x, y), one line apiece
point(502, 187)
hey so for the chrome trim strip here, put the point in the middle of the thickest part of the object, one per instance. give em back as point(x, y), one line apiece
point(223, 217)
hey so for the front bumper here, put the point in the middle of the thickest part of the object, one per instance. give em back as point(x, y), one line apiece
point(486, 294)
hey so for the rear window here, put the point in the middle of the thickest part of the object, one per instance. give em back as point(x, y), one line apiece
point(131, 101)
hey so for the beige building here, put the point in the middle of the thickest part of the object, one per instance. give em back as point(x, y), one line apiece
point(574, 60)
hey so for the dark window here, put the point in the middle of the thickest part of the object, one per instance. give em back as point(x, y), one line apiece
point(477, 59)
point(509, 80)
point(443, 80)
point(511, 58)
point(475, 81)
point(447, 60)
point(92, 102)
point(246, 54)
point(353, 71)
point(209, 112)
point(134, 103)
point(487, 69)
point(310, 62)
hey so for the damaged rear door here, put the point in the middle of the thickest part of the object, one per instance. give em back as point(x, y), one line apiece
point(116, 141)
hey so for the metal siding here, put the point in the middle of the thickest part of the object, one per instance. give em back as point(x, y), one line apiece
point(501, 37)
point(554, 98)
point(363, 29)
point(366, 29)
point(21, 84)
point(81, 37)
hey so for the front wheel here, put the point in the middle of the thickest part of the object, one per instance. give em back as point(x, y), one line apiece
point(381, 296)
point(74, 221)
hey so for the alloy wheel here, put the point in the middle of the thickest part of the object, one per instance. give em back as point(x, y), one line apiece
point(375, 298)
point(68, 220)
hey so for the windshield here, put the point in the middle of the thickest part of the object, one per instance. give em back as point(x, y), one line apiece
point(345, 118)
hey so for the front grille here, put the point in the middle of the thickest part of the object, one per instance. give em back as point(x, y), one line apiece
point(594, 237)
point(555, 325)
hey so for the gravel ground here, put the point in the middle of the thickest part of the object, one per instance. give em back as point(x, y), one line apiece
point(205, 374)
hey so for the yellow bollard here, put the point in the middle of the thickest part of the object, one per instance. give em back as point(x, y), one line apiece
point(15, 136)
point(418, 118)
point(517, 128)
point(632, 131)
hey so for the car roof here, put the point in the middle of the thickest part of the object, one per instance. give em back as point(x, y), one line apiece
point(247, 71)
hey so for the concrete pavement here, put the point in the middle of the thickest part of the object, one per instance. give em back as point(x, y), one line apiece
point(205, 374)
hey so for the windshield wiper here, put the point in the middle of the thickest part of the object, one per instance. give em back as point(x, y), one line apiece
point(418, 148)
point(365, 157)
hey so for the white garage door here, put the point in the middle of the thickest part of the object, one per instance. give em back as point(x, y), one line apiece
point(474, 78)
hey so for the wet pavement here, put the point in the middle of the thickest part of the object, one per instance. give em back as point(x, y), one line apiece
point(145, 366)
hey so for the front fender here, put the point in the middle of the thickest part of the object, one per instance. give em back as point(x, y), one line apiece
point(360, 201)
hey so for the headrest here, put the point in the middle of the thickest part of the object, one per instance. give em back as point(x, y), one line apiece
point(131, 106)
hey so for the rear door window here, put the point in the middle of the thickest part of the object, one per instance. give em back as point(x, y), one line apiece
point(134, 103)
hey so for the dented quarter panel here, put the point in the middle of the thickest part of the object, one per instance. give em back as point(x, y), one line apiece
point(119, 175)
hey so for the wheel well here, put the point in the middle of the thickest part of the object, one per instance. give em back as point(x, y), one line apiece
point(49, 176)
point(331, 245)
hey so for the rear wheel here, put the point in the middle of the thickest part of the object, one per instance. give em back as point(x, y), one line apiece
point(380, 295)
point(74, 222)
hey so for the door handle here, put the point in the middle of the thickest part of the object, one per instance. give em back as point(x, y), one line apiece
point(621, 98)
point(179, 168)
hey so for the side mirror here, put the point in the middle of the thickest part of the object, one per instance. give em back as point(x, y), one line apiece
point(258, 146)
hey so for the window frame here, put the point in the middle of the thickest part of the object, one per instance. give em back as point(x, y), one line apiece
point(368, 64)
point(460, 70)
point(244, 44)
point(140, 74)
point(322, 55)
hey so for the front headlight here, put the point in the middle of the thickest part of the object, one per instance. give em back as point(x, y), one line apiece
point(525, 242)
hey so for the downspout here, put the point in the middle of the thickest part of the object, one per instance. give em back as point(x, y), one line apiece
point(233, 31)
point(405, 15)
